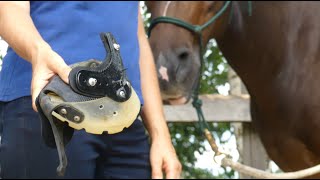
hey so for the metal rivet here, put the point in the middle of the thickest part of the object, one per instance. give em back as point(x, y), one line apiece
point(93, 65)
point(63, 111)
point(76, 118)
point(92, 81)
point(122, 94)
point(116, 46)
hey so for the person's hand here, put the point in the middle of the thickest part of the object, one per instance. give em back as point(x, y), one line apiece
point(45, 64)
point(163, 158)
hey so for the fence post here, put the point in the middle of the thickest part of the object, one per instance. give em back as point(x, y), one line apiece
point(251, 151)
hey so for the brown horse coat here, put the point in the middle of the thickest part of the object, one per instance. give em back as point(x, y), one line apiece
point(275, 51)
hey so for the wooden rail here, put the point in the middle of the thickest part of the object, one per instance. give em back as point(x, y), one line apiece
point(216, 107)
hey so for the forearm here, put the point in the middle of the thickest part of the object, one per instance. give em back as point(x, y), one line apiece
point(152, 111)
point(18, 30)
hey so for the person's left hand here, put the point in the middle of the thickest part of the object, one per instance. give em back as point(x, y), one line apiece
point(163, 158)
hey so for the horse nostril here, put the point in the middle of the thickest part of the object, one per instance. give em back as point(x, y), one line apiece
point(183, 55)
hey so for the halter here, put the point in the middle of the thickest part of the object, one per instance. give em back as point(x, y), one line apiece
point(197, 29)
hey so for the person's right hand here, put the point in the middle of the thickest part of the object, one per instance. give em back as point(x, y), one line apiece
point(45, 64)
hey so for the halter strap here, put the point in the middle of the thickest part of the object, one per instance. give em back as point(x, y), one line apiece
point(194, 28)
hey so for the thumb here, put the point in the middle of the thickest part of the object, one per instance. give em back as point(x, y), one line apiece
point(63, 71)
point(59, 67)
point(35, 93)
point(37, 85)
point(156, 165)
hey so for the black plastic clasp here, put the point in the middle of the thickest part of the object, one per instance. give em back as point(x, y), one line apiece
point(106, 79)
point(70, 113)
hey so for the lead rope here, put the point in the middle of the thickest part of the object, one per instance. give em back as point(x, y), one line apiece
point(197, 103)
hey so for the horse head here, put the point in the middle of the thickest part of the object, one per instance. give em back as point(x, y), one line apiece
point(177, 50)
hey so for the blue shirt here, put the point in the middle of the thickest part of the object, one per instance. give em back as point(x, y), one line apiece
point(72, 29)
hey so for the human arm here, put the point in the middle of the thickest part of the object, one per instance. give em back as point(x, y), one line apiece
point(162, 154)
point(18, 30)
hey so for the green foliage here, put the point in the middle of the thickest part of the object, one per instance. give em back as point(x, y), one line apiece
point(215, 70)
point(146, 15)
point(186, 137)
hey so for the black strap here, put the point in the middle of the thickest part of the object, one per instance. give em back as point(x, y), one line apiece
point(55, 133)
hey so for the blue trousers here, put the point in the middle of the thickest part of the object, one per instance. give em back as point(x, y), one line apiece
point(23, 153)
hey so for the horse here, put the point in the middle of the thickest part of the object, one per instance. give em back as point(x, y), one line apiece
point(274, 47)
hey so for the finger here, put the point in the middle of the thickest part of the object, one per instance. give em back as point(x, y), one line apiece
point(59, 66)
point(173, 171)
point(63, 70)
point(34, 107)
point(172, 174)
point(37, 84)
point(35, 92)
point(156, 165)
